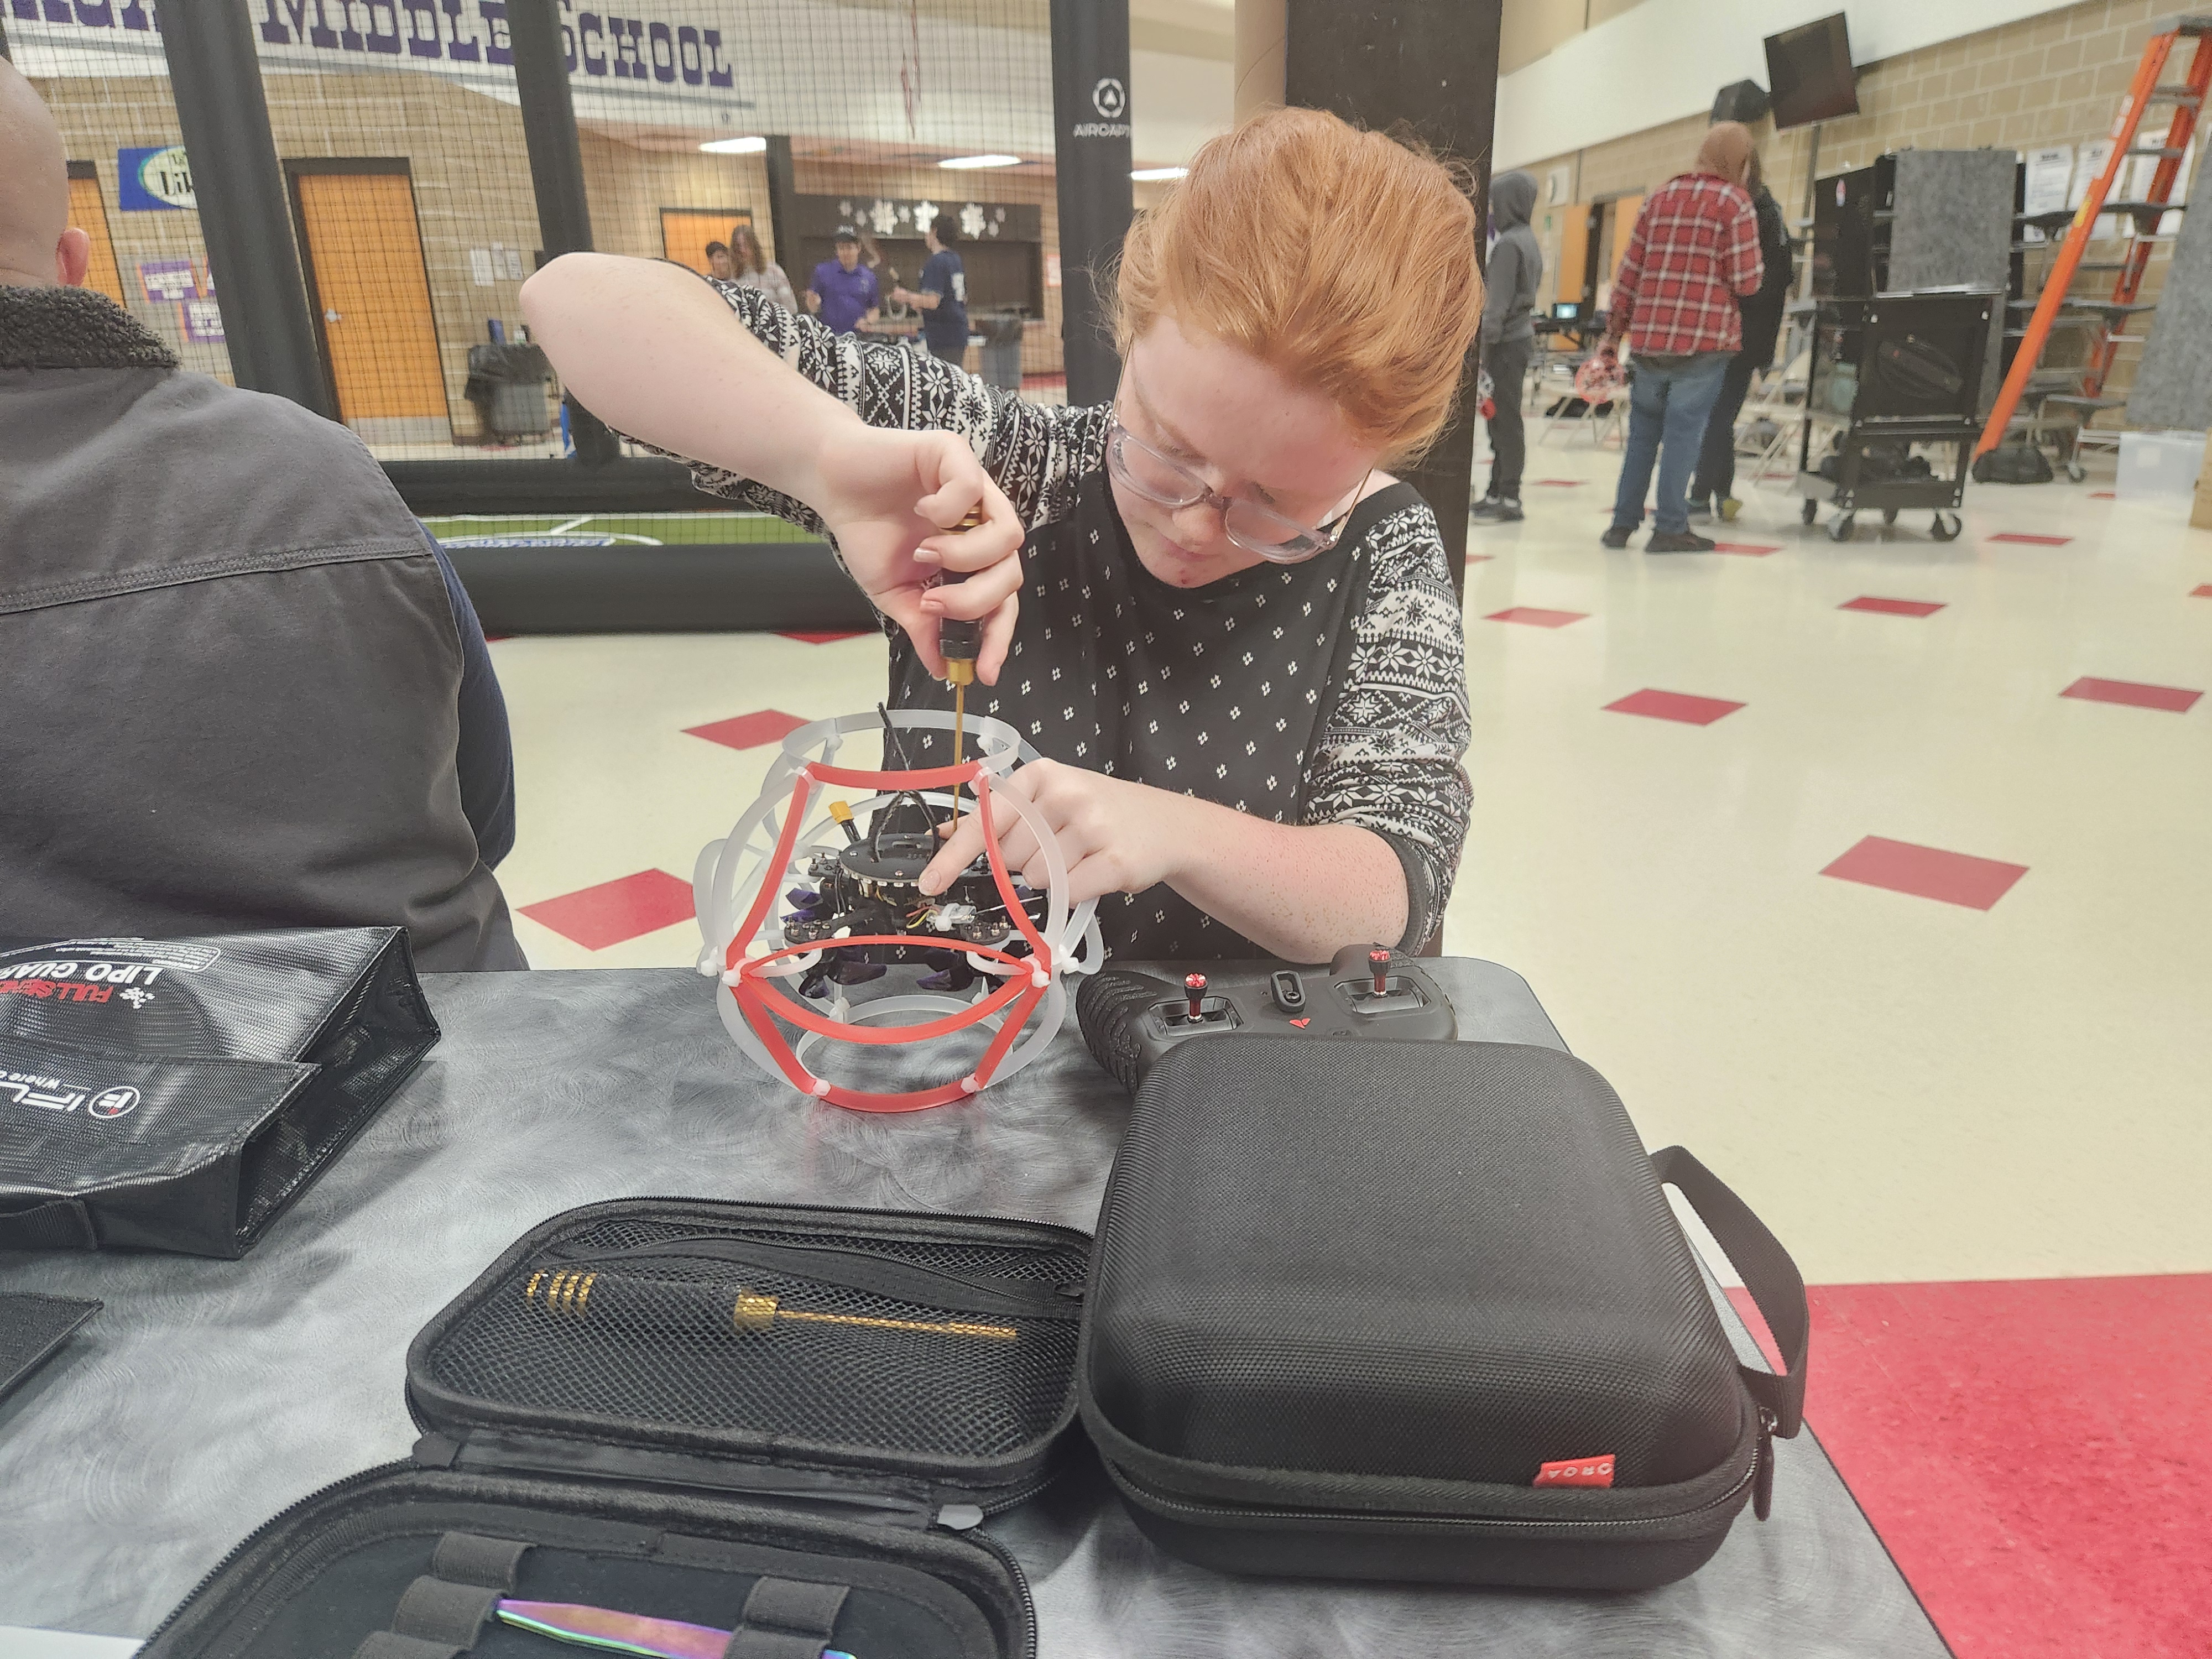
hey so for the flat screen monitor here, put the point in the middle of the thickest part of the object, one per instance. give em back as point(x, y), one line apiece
point(1810, 68)
point(1567, 310)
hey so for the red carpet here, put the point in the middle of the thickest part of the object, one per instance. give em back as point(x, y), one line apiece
point(2037, 1454)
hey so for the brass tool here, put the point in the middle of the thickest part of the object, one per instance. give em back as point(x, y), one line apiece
point(570, 1293)
point(959, 641)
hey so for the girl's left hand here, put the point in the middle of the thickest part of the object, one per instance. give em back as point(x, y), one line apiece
point(1116, 836)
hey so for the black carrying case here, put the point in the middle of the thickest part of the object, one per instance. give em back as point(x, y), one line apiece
point(1349, 1300)
point(179, 1094)
point(614, 1415)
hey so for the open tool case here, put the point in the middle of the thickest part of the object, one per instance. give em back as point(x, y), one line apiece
point(781, 1421)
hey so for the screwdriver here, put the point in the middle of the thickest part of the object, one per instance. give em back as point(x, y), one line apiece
point(959, 641)
point(627, 1297)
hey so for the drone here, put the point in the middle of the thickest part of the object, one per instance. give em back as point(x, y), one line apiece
point(813, 894)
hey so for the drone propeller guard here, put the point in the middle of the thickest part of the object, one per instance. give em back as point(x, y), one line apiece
point(755, 971)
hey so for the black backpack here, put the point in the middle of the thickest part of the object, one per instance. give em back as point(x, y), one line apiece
point(2013, 464)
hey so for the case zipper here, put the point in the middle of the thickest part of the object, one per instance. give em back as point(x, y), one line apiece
point(1153, 1497)
point(382, 1471)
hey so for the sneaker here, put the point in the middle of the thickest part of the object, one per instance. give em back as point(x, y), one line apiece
point(1686, 542)
point(1495, 509)
point(1616, 537)
point(1729, 508)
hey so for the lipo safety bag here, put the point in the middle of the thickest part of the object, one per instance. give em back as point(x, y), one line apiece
point(178, 1094)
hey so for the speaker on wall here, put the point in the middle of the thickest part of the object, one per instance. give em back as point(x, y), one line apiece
point(1739, 101)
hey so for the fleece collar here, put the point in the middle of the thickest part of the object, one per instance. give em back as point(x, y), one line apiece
point(74, 328)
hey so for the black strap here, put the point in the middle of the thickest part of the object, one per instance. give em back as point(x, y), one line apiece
point(468, 1558)
point(386, 1645)
point(435, 1611)
point(60, 1224)
point(1768, 1274)
point(786, 1619)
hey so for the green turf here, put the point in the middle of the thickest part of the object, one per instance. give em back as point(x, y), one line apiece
point(685, 527)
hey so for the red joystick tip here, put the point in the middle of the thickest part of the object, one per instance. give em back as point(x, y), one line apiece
point(1196, 984)
point(1379, 960)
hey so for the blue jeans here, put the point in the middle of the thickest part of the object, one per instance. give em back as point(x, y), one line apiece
point(1668, 407)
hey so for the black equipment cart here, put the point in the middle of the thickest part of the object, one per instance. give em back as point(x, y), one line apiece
point(1893, 378)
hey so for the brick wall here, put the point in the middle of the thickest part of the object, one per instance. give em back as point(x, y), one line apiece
point(2054, 79)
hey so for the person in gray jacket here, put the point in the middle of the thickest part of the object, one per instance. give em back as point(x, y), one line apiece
point(236, 673)
point(1509, 337)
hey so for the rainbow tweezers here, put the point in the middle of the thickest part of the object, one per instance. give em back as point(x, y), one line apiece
point(622, 1632)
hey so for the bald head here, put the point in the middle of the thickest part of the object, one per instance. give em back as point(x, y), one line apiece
point(38, 248)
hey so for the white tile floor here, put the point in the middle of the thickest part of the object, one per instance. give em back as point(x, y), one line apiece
point(1907, 1088)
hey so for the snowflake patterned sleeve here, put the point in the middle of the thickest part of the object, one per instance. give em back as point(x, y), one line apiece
point(1038, 454)
point(1388, 754)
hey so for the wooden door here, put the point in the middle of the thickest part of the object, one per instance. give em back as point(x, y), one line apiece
point(370, 289)
point(685, 232)
point(1625, 210)
point(1571, 282)
point(88, 213)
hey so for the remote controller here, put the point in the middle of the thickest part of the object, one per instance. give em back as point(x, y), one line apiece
point(1134, 1012)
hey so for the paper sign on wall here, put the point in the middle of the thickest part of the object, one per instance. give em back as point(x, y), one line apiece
point(1051, 270)
point(165, 280)
point(2050, 171)
point(202, 321)
point(480, 270)
point(152, 179)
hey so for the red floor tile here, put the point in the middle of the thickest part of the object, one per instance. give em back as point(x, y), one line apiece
point(1480, 558)
point(749, 731)
point(2036, 1453)
point(2032, 540)
point(1536, 616)
point(1674, 706)
point(2100, 495)
point(1560, 483)
point(615, 910)
point(2201, 591)
point(1748, 549)
point(828, 636)
point(1926, 873)
point(2173, 698)
point(494, 639)
point(1892, 607)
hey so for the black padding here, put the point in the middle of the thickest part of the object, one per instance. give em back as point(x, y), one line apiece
point(750, 1644)
point(793, 1604)
point(468, 1558)
point(388, 1645)
point(436, 1611)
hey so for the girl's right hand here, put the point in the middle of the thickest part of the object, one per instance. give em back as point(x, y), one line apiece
point(888, 497)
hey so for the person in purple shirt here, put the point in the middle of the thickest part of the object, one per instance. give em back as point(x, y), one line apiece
point(843, 291)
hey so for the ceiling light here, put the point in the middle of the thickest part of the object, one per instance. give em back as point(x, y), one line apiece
point(1154, 175)
point(980, 162)
point(735, 146)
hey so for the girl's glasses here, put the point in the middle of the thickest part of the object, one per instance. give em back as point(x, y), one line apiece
point(1255, 528)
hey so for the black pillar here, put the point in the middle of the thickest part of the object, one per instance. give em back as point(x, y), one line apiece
point(1090, 153)
point(245, 218)
point(1431, 65)
point(4, 39)
point(782, 190)
point(556, 173)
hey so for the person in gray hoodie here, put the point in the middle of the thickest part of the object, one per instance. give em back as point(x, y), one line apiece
point(1509, 337)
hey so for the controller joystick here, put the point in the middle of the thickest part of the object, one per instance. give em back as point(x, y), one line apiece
point(1134, 1012)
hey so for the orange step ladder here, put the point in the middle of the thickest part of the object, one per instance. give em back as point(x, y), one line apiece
point(2187, 98)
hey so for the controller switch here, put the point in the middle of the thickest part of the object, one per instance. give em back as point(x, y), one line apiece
point(1289, 991)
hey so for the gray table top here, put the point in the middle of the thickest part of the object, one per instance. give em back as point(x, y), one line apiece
point(209, 1395)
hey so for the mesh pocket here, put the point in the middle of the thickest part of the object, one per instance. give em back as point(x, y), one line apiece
point(705, 1344)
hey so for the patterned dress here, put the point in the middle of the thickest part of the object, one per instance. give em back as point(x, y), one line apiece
point(1332, 691)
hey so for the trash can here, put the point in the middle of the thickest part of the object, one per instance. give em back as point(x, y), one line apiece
point(1002, 351)
point(507, 384)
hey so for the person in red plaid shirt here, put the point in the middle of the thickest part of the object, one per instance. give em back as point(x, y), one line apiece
point(1696, 248)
